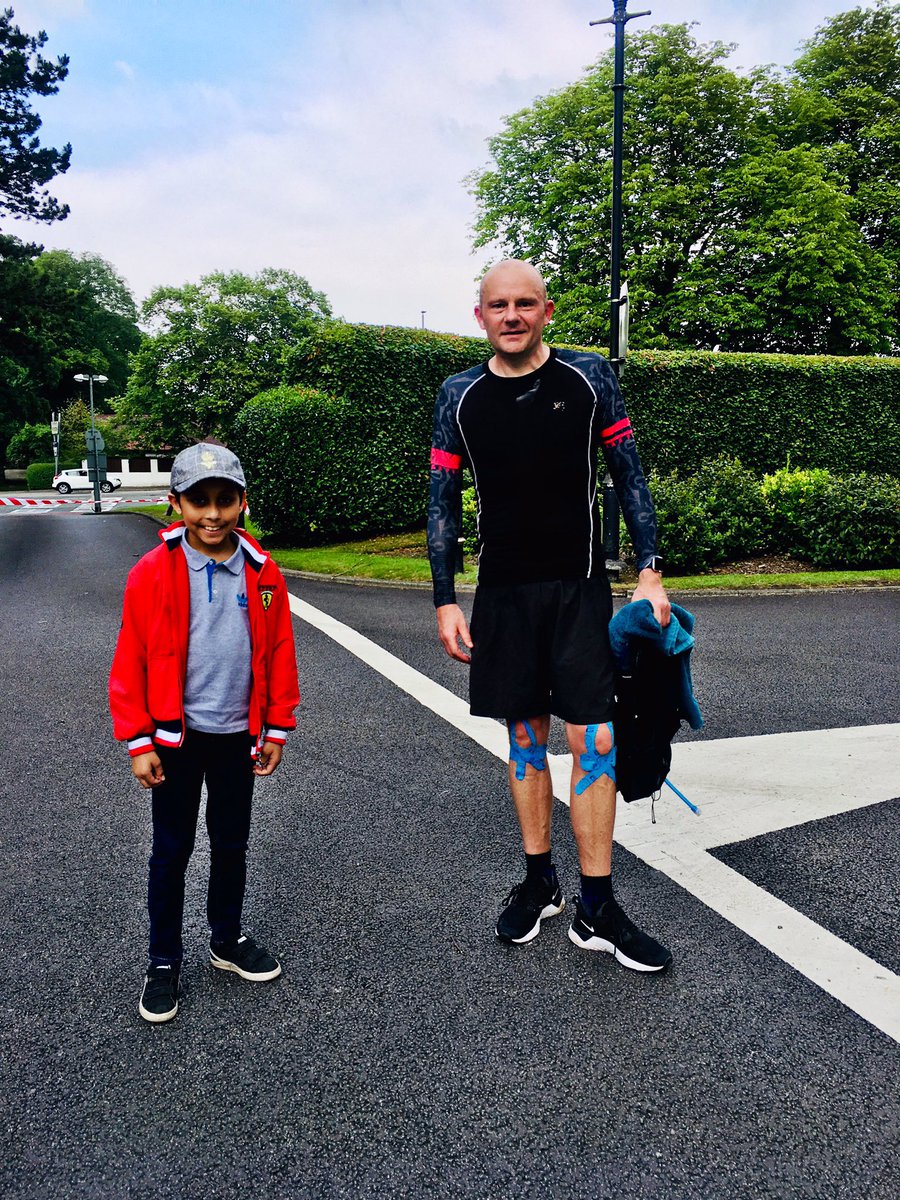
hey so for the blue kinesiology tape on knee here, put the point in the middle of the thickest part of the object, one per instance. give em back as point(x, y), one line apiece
point(536, 754)
point(594, 763)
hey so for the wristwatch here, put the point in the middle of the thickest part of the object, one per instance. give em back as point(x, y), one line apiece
point(655, 563)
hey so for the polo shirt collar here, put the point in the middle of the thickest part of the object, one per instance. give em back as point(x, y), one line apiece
point(198, 562)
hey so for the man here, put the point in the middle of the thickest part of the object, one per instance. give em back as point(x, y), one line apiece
point(530, 424)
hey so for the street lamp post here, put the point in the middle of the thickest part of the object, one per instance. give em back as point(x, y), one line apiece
point(94, 440)
point(618, 297)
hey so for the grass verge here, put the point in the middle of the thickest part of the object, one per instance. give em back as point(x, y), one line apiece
point(400, 558)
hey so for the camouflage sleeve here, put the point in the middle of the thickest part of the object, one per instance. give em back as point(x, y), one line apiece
point(445, 498)
point(624, 466)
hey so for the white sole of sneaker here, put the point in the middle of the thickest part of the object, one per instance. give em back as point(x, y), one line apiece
point(258, 977)
point(598, 943)
point(156, 1018)
point(550, 910)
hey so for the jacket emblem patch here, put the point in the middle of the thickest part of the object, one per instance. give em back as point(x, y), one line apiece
point(266, 594)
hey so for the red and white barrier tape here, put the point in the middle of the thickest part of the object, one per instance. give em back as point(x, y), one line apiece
point(30, 502)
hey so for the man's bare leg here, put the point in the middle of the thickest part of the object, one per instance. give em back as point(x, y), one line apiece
point(594, 811)
point(539, 895)
point(533, 795)
point(603, 925)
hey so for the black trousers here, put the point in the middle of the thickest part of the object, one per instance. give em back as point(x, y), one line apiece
point(223, 760)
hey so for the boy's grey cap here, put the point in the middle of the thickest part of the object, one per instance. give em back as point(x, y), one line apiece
point(206, 461)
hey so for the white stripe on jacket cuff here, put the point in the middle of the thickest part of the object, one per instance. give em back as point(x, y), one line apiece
point(139, 745)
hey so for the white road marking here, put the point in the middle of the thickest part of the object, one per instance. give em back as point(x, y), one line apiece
point(745, 787)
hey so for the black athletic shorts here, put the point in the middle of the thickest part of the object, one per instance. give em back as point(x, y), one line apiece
point(543, 648)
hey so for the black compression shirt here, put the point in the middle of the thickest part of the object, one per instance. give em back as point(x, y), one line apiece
point(532, 444)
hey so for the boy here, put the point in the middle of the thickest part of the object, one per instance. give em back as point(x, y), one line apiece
point(203, 685)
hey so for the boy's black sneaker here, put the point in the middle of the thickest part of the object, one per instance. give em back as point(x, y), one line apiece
point(610, 930)
point(159, 997)
point(527, 905)
point(246, 959)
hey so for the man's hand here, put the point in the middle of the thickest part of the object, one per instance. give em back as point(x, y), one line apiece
point(147, 769)
point(453, 629)
point(650, 588)
point(268, 758)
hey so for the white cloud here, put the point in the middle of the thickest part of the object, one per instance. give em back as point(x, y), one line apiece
point(348, 164)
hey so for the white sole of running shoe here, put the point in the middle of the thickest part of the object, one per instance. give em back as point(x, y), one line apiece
point(550, 910)
point(259, 977)
point(598, 943)
point(156, 1018)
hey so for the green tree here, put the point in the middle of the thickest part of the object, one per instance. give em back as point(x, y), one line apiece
point(25, 166)
point(843, 96)
point(32, 443)
point(26, 370)
point(214, 344)
point(92, 320)
point(789, 271)
point(60, 314)
point(731, 238)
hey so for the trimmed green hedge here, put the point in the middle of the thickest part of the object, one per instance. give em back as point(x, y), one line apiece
point(39, 476)
point(839, 413)
point(350, 458)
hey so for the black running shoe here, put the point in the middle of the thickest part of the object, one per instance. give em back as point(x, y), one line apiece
point(246, 959)
point(527, 905)
point(610, 930)
point(159, 997)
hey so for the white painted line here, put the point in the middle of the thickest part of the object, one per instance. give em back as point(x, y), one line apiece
point(857, 981)
point(781, 779)
point(754, 785)
point(490, 734)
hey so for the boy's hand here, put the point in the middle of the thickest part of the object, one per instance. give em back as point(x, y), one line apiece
point(147, 769)
point(268, 758)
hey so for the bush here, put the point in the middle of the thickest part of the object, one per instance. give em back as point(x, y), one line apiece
point(789, 495)
point(854, 523)
point(710, 517)
point(297, 446)
point(39, 476)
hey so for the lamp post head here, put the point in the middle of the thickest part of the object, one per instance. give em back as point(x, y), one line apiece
point(90, 378)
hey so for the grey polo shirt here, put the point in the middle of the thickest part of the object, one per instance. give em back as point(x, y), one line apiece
point(217, 687)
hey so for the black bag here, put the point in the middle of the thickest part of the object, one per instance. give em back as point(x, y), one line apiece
point(647, 717)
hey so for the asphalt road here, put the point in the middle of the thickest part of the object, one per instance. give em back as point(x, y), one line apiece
point(404, 1052)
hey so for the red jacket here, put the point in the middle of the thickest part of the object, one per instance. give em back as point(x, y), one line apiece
point(146, 683)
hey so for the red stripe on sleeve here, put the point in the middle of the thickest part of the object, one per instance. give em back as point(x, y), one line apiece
point(617, 431)
point(440, 458)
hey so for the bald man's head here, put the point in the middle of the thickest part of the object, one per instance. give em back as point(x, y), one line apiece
point(513, 270)
point(514, 311)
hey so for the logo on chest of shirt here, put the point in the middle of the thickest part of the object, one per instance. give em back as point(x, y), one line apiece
point(559, 405)
point(242, 600)
point(266, 594)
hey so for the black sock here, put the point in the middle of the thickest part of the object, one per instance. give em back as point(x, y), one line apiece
point(538, 865)
point(595, 890)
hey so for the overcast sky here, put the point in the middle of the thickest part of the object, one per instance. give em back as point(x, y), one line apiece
point(329, 137)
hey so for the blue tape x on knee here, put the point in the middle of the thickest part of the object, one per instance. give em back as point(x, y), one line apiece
point(536, 753)
point(596, 764)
